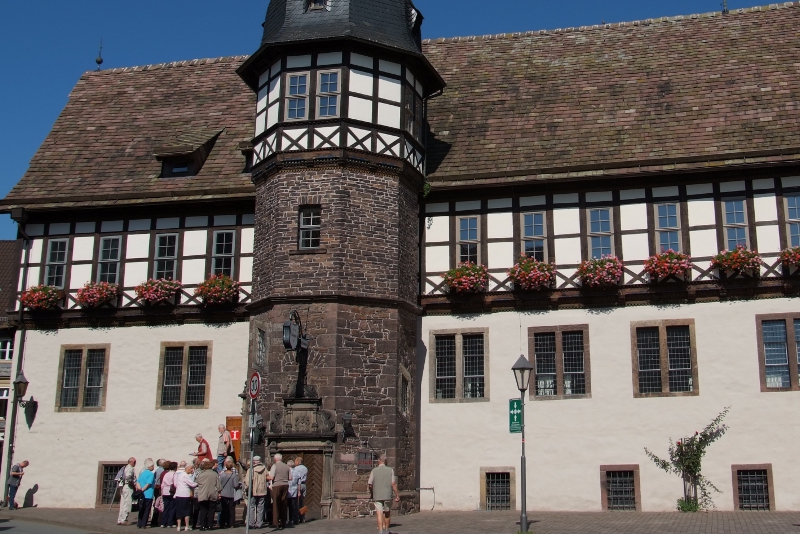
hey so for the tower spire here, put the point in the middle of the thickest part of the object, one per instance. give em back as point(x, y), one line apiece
point(99, 59)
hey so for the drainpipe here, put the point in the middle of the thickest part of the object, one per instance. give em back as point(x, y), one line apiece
point(11, 427)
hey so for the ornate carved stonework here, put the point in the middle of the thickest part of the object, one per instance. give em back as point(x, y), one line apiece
point(301, 417)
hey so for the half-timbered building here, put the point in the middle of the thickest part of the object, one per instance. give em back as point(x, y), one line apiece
point(342, 170)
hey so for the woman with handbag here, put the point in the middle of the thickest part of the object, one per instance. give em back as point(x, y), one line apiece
point(167, 493)
point(207, 493)
point(230, 482)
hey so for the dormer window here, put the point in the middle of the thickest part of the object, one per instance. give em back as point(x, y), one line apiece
point(297, 100)
point(317, 4)
point(176, 168)
point(186, 153)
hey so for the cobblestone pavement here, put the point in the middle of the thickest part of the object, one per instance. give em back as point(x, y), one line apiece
point(103, 521)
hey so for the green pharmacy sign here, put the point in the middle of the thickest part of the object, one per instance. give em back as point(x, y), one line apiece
point(515, 416)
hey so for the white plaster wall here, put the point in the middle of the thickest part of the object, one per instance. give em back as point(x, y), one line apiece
point(138, 246)
point(765, 207)
point(361, 82)
point(501, 256)
point(388, 115)
point(568, 251)
point(500, 225)
point(130, 425)
point(566, 221)
point(83, 249)
point(437, 259)
point(194, 243)
point(246, 269)
point(704, 243)
point(360, 109)
point(135, 273)
point(768, 238)
point(194, 271)
point(389, 88)
point(633, 216)
point(247, 240)
point(635, 247)
point(437, 229)
point(568, 440)
point(701, 212)
point(80, 275)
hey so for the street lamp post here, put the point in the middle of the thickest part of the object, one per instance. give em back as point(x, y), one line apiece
point(522, 374)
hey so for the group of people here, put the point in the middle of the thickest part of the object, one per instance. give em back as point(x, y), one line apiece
point(203, 493)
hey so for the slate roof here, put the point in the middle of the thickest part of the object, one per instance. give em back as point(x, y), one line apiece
point(384, 22)
point(9, 253)
point(101, 148)
point(661, 94)
point(672, 94)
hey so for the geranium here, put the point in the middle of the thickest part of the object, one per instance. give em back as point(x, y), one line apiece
point(791, 257)
point(599, 272)
point(218, 289)
point(531, 274)
point(95, 294)
point(738, 260)
point(667, 263)
point(467, 278)
point(154, 291)
point(40, 297)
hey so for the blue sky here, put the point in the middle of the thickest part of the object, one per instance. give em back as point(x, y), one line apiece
point(45, 45)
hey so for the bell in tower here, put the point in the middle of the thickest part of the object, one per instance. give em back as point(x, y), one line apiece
point(338, 165)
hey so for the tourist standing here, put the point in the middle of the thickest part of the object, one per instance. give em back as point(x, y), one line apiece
point(300, 476)
point(146, 484)
point(207, 494)
point(279, 475)
point(291, 497)
point(224, 446)
point(14, 480)
point(381, 484)
point(168, 494)
point(203, 449)
point(258, 493)
point(229, 483)
point(183, 496)
point(126, 479)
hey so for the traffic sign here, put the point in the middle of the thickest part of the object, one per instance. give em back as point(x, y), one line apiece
point(254, 386)
point(515, 416)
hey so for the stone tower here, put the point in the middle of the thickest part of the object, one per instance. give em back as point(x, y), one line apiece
point(338, 165)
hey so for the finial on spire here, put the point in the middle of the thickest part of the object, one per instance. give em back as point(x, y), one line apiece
point(724, 7)
point(99, 59)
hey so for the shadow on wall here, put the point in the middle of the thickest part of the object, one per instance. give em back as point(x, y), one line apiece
point(30, 412)
point(28, 502)
point(437, 151)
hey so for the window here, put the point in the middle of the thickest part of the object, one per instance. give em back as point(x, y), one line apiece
point(753, 487)
point(664, 358)
point(56, 262)
point(365, 461)
point(413, 112)
point(668, 227)
point(460, 366)
point(297, 100)
point(328, 95)
point(83, 371)
point(793, 219)
point(778, 341)
point(600, 241)
point(310, 224)
point(261, 348)
point(6, 349)
point(317, 4)
point(166, 256)
point(184, 376)
point(735, 223)
point(222, 256)
point(620, 488)
point(404, 387)
point(533, 236)
point(468, 243)
point(4, 394)
point(498, 491)
point(561, 361)
point(107, 490)
point(108, 265)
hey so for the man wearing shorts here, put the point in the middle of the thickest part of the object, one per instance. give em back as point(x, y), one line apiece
point(382, 484)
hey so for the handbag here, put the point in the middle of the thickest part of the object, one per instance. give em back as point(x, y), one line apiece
point(159, 504)
point(138, 495)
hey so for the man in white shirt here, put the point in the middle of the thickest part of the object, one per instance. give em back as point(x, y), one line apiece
point(299, 477)
point(125, 480)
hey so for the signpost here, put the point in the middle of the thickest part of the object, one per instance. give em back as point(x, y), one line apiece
point(253, 387)
point(515, 416)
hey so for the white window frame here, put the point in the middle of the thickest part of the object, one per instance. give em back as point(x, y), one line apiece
point(101, 261)
point(6, 349)
point(303, 96)
point(476, 241)
point(542, 237)
point(790, 221)
point(56, 264)
point(609, 234)
point(726, 225)
point(337, 93)
point(159, 258)
point(215, 255)
point(309, 228)
point(666, 229)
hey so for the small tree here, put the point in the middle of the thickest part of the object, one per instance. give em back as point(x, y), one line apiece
point(685, 459)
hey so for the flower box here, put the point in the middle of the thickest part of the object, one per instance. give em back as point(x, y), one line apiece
point(218, 289)
point(467, 278)
point(158, 291)
point(93, 294)
point(41, 297)
point(530, 274)
point(790, 258)
point(740, 261)
point(668, 264)
point(600, 272)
